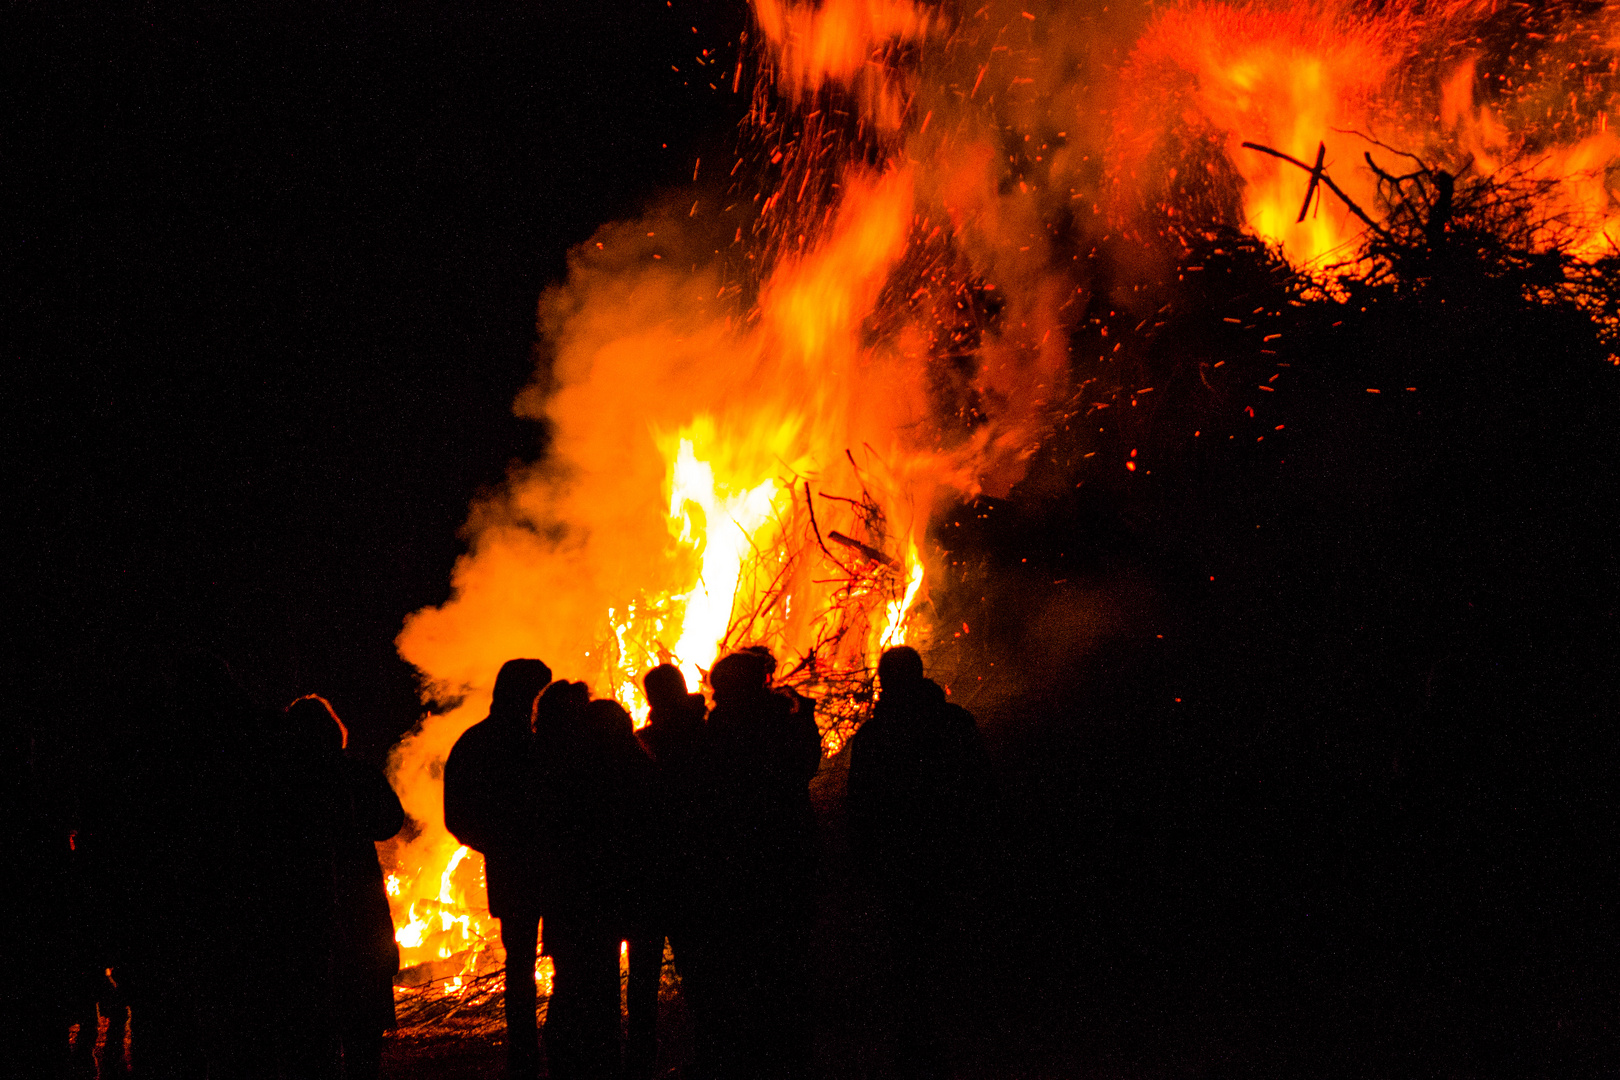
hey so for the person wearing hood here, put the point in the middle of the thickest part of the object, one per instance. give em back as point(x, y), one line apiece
point(489, 806)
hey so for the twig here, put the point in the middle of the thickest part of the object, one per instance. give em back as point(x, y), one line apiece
point(1423, 165)
point(1396, 180)
point(811, 503)
point(1316, 178)
point(1326, 179)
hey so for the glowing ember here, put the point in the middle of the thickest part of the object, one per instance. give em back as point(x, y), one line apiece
point(1346, 79)
point(757, 397)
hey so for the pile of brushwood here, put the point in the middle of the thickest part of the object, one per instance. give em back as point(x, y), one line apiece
point(1338, 758)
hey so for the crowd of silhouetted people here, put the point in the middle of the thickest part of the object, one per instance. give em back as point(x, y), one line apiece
point(699, 832)
point(227, 916)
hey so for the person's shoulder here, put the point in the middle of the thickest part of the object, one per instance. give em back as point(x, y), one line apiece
point(799, 712)
point(958, 720)
point(476, 741)
point(877, 730)
point(473, 735)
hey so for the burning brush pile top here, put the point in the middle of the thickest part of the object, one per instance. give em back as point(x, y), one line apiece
point(1030, 251)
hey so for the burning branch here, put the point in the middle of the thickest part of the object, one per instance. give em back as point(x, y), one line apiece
point(827, 657)
point(809, 501)
point(869, 552)
point(1320, 174)
point(1316, 179)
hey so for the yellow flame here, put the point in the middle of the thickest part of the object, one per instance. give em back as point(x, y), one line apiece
point(719, 527)
point(895, 624)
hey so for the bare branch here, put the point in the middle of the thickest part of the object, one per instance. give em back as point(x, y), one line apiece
point(1326, 179)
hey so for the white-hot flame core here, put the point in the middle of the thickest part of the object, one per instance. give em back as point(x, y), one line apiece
point(719, 528)
point(689, 431)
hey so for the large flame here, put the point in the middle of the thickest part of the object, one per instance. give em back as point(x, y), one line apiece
point(1405, 82)
point(757, 397)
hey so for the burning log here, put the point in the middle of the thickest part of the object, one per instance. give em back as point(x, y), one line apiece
point(868, 552)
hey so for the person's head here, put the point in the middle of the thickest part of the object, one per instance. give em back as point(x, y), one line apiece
point(608, 722)
point(312, 721)
point(900, 671)
point(737, 676)
point(558, 709)
point(763, 657)
point(666, 687)
point(516, 687)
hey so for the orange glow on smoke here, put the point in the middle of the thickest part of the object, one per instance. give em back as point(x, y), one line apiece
point(1288, 78)
point(1205, 78)
point(738, 376)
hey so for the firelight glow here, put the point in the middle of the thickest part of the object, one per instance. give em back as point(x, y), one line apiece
point(882, 321)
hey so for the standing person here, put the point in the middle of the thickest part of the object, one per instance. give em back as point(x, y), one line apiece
point(599, 833)
point(919, 786)
point(582, 1018)
point(676, 739)
point(638, 846)
point(764, 751)
point(614, 853)
point(488, 787)
point(365, 956)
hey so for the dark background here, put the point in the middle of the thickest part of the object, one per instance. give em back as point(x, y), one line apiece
point(272, 272)
point(1307, 742)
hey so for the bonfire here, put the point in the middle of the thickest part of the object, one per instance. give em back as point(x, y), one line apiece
point(959, 250)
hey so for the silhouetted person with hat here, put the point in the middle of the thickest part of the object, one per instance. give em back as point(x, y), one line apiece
point(764, 748)
point(488, 805)
point(919, 786)
point(365, 957)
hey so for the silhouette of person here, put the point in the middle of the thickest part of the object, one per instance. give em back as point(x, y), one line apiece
point(365, 957)
point(598, 793)
point(764, 748)
point(918, 793)
point(676, 738)
point(291, 823)
point(488, 806)
point(638, 847)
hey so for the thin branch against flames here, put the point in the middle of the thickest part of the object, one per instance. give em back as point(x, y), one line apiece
point(879, 202)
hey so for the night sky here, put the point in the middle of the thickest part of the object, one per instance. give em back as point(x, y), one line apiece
point(1340, 779)
point(273, 271)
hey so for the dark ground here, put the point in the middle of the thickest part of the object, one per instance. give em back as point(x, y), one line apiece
point(1306, 744)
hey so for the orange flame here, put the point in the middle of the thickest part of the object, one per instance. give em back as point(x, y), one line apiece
point(1205, 78)
point(727, 387)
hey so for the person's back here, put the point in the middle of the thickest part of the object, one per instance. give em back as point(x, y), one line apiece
point(676, 737)
point(676, 741)
point(918, 797)
point(918, 784)
point(365, 956)
point(675, 734)
point(765, 749)
point(601, 821)
point(489, 785)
